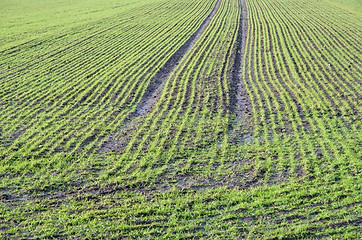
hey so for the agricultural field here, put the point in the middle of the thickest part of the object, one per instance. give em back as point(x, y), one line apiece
point(180, 119)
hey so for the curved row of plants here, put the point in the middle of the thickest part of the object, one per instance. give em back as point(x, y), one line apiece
point(72, 97)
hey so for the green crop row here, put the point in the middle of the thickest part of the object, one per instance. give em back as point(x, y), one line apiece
point(192, 111)
point(295, 81)
point(99, 140)
point(97, 79)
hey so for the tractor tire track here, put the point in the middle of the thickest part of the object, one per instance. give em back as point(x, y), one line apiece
point(154, 91)
point(241, 105)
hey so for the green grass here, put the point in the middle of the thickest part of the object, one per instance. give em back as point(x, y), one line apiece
point(77, 161)
point(354, 6)
point(23, 21)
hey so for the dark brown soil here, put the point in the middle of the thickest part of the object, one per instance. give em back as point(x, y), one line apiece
point(243, 104)
point(240, 101)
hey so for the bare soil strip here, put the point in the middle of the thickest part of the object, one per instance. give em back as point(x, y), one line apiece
point(153, 93)
point(240, 103)
point(243, 104)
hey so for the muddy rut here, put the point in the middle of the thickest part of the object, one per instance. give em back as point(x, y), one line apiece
point(154, 91)
point(243, 105)
point(240, 102)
